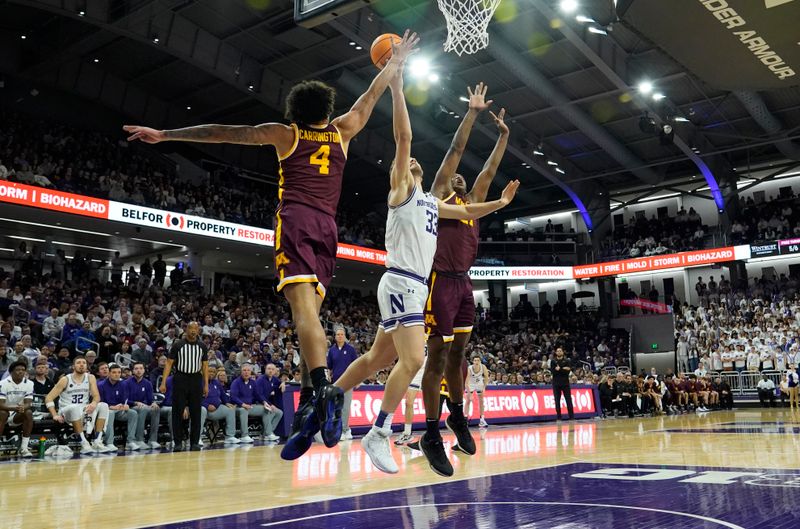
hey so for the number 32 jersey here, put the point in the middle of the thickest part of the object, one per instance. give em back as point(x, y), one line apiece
point(311, 172)
point(411, 231)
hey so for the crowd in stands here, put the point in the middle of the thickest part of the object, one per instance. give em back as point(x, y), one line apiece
point(54, 155)
point(643, 237)
point(777, 218)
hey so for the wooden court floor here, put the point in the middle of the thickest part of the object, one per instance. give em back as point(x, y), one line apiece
point(153, 489)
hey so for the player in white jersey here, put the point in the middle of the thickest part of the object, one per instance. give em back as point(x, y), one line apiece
point(477, 375)
point(79, 401)
point(16, 397)
point(411, 231)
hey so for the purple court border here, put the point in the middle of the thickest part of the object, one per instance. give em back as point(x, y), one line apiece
point(572, 495)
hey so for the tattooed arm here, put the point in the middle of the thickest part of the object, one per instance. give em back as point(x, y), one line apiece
point(277, 134)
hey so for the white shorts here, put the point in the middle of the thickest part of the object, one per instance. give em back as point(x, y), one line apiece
point(479, 388)
point(76, 412)
point(401, 300)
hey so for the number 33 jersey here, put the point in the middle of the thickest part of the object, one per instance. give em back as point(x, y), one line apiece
point(311, 172)
point(411, 231)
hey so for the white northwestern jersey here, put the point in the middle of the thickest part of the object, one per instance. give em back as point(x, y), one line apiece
point(15, 393)
point(411, 229)
point(75, 393)
point(476, 379)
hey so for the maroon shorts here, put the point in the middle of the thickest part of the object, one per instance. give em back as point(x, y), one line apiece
point(450, 308)
point(305, 246)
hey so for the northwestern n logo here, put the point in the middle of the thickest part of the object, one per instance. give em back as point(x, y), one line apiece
point(397, 303)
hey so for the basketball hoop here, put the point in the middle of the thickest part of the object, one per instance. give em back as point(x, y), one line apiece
point(467, 24)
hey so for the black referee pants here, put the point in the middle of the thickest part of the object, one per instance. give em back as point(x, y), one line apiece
point(558, 390)
point(187, 390)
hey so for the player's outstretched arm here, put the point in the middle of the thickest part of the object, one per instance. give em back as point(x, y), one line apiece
point(477, 104)
point(277, 134)
point(400, 178)
point(481, 186)
point(351, 123)
point(479, 209)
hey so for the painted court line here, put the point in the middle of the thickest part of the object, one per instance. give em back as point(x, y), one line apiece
point(721, 523)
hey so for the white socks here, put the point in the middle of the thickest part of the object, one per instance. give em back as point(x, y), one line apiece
point(407, 429)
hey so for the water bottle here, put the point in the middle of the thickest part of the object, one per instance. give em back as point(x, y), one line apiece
point(41, 447)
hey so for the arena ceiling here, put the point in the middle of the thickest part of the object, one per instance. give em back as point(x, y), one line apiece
point(570, 93)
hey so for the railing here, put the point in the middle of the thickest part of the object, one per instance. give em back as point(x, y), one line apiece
point(746, 382)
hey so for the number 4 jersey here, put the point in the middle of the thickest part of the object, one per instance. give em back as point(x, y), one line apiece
point(311, 172)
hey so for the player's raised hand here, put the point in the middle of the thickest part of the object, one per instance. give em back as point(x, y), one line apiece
point(509, 192)
point(146, 134)
point(499, 121)
point(405, 48)
point(477, 97)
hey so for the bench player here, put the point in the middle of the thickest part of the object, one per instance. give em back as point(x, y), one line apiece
point(411, 237)
point(312, 151)
point(79, 401)
point(450, 309)
point(16, 397)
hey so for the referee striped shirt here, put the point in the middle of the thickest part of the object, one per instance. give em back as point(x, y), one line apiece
point(188, 356)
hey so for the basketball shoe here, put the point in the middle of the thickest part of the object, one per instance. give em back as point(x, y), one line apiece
point(436, 456)
point(300, 441)
point(328, 406)
point(376, 445)
point(460, 427)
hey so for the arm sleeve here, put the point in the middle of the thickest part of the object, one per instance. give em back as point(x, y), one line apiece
point(236, 393)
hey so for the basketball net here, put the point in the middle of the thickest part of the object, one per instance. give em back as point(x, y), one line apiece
point(467, 24)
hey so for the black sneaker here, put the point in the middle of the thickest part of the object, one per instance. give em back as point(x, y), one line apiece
point(328, 405)
point(414, 445)
point(195, 448)
point(297, 422)
point(436, 456)
point(460, 427)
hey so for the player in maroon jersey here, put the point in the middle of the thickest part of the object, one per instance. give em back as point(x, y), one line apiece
point(450, 309)
point(312, 151)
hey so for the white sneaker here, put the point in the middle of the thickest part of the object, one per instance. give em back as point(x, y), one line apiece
point(132, 446)
point(154, 445)
point(347, 435)
point(170, 445)
point(482, 423)
point(318, 438)
point(246, 440)
point(200, 443)
point(404, 439)
point(232, 441)
point(272, 438)
point(99, 447)
point(377, 448)
point(86, 448)
point(24, 452)
point(111, 448)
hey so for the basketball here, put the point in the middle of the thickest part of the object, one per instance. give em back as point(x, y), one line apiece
point(381, 49)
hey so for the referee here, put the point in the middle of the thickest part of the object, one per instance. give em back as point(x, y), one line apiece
point(189, 385)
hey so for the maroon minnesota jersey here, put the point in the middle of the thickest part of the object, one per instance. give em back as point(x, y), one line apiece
point(311, 172)
point(457, 242)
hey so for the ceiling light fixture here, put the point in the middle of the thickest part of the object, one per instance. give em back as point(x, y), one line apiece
point(658, 96)
point(597, 30)
point(551, 162)
point(584, 19)
point(569, 6)
point(645, 87)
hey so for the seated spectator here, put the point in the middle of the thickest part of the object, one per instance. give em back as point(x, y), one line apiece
point(766, 392)
point(42, 383)
point(245, 394)
point(140, 399)
point(114, 393)
point(217, 407)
